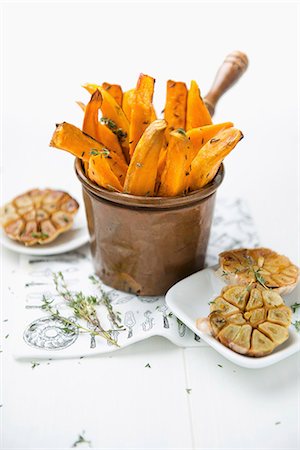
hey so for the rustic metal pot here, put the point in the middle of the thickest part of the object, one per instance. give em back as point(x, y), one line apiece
point(146, 244)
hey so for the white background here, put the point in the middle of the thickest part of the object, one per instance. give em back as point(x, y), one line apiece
point(48, 51)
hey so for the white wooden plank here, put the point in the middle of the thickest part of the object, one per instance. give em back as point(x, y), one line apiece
point(118, 401)
point(234, 407)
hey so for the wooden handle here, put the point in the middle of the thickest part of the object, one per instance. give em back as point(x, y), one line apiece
point(231, 70)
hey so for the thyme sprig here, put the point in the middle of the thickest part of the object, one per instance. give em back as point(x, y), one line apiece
point(259, 278)
point(83, 307)
point(114, 316)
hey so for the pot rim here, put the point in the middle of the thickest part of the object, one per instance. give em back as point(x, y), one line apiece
point(148, 202)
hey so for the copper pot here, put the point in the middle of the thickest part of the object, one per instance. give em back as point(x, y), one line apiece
point(144, 245)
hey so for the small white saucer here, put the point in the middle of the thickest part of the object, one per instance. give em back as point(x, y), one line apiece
point(188, 300)
point(77, 236)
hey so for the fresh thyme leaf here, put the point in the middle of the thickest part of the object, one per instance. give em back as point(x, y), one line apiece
point(94, 152)
point(109, 123)
point(181, 131)
point(188, 390)
point(277, 423)
point(148, 365)
point(34, 364)
point(295, 306)
point(224, 273)
point(40, 235)
point(297, 325)
point(6, 336)
point(219, 365)
point(119, 132)
point(81, 440)
point(104, 151)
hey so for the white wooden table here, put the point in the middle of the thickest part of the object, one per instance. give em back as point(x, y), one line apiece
point(190, 398)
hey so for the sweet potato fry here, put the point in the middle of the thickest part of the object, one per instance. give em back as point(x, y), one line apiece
point(161, 165)
point(115, 91)
point(110, 108)
point(90, 87)
point(199, 136)
point(141, 174)
point(128, 99)
point(81, 105)
point(73, 140)
point(177, 168)
point(100, 171)
point(142, 110)
point(96, 130)
point(175, 107)
point(90, 120)
point(114, 117)
point(197, 113)
point(127, 102)
point(70, 138)
point(209, 158)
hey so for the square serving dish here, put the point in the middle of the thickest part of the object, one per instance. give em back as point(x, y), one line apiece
point(189, 299)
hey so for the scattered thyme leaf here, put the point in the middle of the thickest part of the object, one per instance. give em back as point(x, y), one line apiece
point(34, 364)
point(295, 306)
point(188, 390)
point(81, 440)
point(297, 325)
point(181, 131)
point(148, 365)
point(6, 336)
point(277, 423)
point(220, 365)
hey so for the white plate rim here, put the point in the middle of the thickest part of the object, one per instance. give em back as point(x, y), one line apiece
point(80, 237)
point(236, 358)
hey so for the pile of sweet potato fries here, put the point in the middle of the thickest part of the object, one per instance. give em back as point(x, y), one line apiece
point(129, 150)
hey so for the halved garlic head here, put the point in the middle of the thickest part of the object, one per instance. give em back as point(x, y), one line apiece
point(38, 216)
point(244, 266)
point(249, 319)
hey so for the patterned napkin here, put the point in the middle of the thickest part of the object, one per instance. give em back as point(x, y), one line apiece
point(38, 335)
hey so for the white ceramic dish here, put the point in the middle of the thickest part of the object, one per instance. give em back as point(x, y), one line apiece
point(188, 300)
point(77, 236)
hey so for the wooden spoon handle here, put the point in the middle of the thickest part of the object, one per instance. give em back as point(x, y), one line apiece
point(229, 73)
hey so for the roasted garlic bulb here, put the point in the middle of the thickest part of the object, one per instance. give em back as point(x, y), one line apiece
point(38, 216)
point(261, 265)
point(250, 320)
